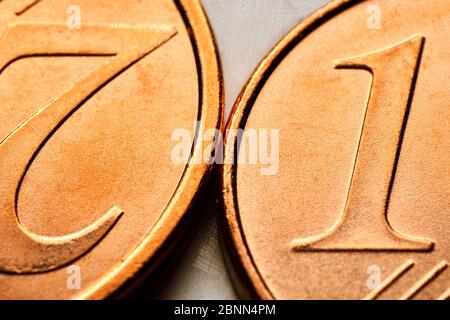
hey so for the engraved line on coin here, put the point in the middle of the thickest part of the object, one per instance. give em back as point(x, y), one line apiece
point(400, 271)
point(23, 251)
point(363, 224)
point(422, 283)
point(445, 295)
point(15, 8)
point(25, 5)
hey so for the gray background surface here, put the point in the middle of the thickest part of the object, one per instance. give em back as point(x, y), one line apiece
point(245, 32)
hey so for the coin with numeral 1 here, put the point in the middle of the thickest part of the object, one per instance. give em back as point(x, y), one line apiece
point(336, 176)
point(94, 96)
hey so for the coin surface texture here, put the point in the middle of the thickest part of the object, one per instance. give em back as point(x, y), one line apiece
point(358, 206)
point(91, 92)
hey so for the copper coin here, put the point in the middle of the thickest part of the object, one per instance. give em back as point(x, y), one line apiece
point(90, 94)
point(358, 204)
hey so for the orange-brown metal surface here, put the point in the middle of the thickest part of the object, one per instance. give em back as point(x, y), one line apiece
point(360, 205)
point(90, 94)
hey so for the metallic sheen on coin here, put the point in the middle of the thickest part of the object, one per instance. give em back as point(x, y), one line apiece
point(359, 204)
point(90, 94)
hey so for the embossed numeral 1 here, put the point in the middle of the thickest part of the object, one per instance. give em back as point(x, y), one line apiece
point(364, 225)
point(22, 251)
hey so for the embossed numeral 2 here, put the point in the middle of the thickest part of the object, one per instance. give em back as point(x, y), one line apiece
point(22, 251)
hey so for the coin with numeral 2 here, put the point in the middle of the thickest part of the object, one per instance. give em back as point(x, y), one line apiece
point(91, 93)
point(349, 198)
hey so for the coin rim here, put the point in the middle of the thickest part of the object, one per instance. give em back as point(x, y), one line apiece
point(211, 102)
point(245, 271)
